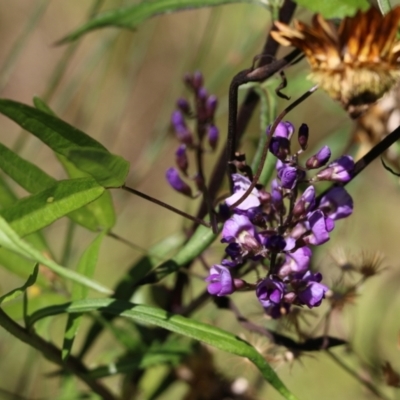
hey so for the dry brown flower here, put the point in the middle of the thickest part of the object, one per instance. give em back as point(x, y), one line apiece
point(356, 62)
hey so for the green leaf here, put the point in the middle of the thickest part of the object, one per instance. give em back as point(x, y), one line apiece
point(69, 141)
point(99, 213)
point(86, 267)
point(131, 16)
point(184, 326)
point(335, 8)
point(26, 174)
point(108, 169)
point(33, 213)
point(201, 240)
point(18, 291)
point(127, 286)
point(10, 240)
point(171, 352)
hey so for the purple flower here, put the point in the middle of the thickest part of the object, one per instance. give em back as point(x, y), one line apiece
point(280, 147)
point(288, 176)
point(305, 203)
point(182, 132)
point(338, 171)
point(275, 243)
point(320, 227)
point(319, 159)
point(270, 292)
point(337, 203)
point(284, 130)
point(309, 289)
point(296, 262)
point(183, 105)
point(239, 230)
point(240, 185)
point(220, 281)
point(177, 183)
point(213, 135)
point(211, 105)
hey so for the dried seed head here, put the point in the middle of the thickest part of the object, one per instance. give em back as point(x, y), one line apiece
point(355, 63)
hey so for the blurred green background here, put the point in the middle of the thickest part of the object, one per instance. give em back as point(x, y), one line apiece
point(120, 87)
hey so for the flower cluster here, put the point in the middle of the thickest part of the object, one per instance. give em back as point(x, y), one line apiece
point(203, 113)
point(274, 230)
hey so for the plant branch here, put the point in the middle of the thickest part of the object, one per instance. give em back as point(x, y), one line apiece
point(53, 354)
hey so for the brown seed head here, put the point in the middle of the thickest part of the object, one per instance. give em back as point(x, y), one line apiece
point(356, 62)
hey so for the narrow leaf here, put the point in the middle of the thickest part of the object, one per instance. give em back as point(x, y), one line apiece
point(98, 214)
point(10, 240)
point(33, 213)
point(26, 174)
point(201, 240)
point(131, 16)
point(18, 291)
point(86, 267)
point(127, 286)
point(335, 8)
point(68, 141)
point(184, 326)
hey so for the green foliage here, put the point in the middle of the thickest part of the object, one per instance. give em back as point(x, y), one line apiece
point(10, 240)
point(84, 152)
point(131, 16)
point(196, 330)
point(19, 291)
point(335, 8)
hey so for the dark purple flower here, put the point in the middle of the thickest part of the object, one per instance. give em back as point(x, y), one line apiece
point(277, 310)
point(275, 243)
point(213, 135)
point(211, 105)
point(337, 171)
point(177, 183)
point(320, 227)
point(197, 80)
point(220, 281)
point(276, 194)
point(183, 105)
point(182, 131)
point(280, 147)
point(181, 158)
point(337, 203)
point(240, 185)
point(270, 292)
point(303, 136)
point(309, 289)
point(320, 159)
point(296, 262)
point(288, 176)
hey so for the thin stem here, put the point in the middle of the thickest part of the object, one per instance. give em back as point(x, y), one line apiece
point(249, 104)
point(53, 354)
point(354, 374)
point(266, 146)
point(167, 206)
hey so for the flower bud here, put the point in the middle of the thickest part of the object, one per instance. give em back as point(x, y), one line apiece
point(319, 159)
point(303, 136)
point(183, 105)
point(211, 105)
point(177, 183)
point(181, 158)
point(213, 135)
point(339, 170)
point(279, 147)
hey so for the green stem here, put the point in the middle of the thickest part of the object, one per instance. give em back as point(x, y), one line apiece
point(52, 353)
point(384, 6)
